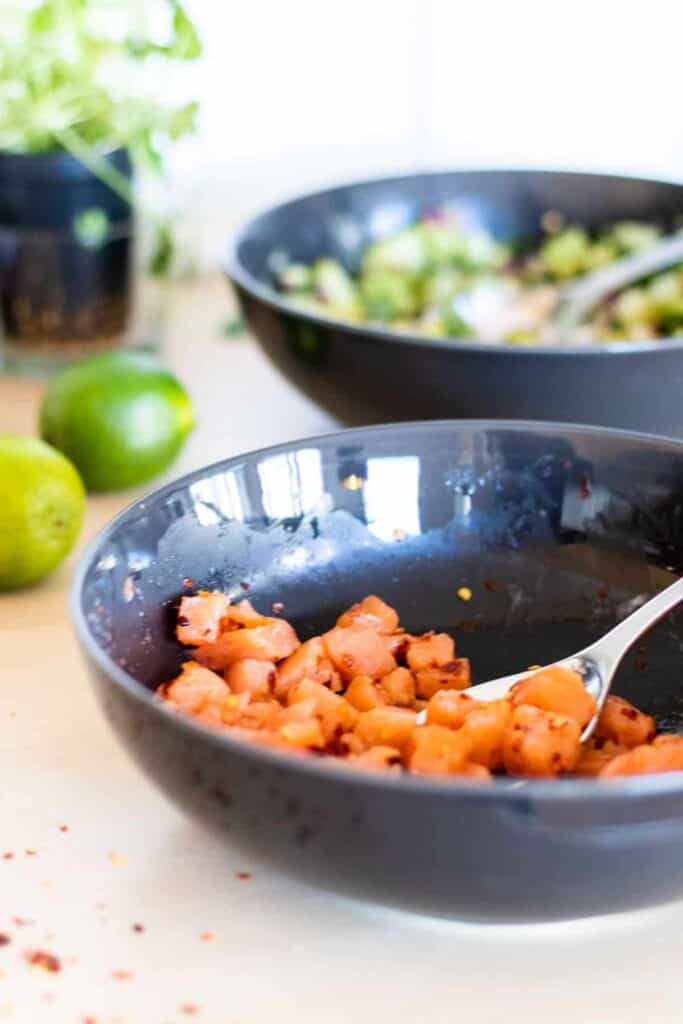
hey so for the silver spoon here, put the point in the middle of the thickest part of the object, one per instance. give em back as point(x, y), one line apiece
point(598, 663)
point(578, 298)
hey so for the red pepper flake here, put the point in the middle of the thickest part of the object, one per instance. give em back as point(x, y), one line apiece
point(21, 922)
point(603, 592)
point(188, 583)
point(277, 607)
point(4, 939)
point(585, 488)
point(245, 586)
point(138, 928)
point(491, 586)
point(207, 936)
point(120, 975)
point(99, 608)
point(31, 853)
point(89, 1020)
point(189, 1009)
point(8, 856)
point(243, 876)
point(43, 961)
point(63, 828)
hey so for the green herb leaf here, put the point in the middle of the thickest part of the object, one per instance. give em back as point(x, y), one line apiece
point(233, 327)
point(162, 256)
point(186, 44)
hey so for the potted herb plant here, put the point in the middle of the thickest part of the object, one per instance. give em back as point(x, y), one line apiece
point(75, 128)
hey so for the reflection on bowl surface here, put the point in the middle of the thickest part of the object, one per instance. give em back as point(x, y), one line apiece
point(556, 531)
point(365, 373)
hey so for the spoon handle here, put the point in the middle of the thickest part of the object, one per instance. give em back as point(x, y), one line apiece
point(580, 297)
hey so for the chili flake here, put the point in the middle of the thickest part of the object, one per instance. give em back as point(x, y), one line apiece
point(207, 936)
point(138, 928)
point(4, 939)
point(42, 961)
point(189, 1009)
point(243, 876)
point(120, 975)
point(63, 828)
point(8, 856)
point(117, 858)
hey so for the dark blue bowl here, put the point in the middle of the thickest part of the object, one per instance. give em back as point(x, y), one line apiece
point(556, 530)
point(371, 374)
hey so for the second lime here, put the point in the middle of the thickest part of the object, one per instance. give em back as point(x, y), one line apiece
point(120, 417)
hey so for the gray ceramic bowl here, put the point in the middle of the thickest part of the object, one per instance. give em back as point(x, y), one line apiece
point(366, 374)
point(555, 530)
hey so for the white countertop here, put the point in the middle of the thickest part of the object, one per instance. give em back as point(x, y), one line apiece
point(213, 948)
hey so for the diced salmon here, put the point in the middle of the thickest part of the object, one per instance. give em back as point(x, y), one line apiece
point(556, 689)
point(647, 759)
point(335, 715)
point(251, 676)
point(485, 727)
point(200, 616)
point(264, 714)
point(356, 651)
point(450, 708)
point(437, 750)
point(198, 691)
point(371, 612)
point(595, 755)
point(243, 614)
point(364, 694)
point(454, 675)
point(306, 734)
point(541, 743)
point(378, 757)
point(398, 687)
point(385, 727)
point(621, 723)
point(271, 642)
point(433, 650)
point(309, 661)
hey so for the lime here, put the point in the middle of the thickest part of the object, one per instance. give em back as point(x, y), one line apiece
point(120, 417)
point(41, 509)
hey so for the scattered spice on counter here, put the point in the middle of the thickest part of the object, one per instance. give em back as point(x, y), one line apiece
point(138, 928)
point(8, 856)
point(31, 853)
point(21, 922)
point(89, 1020)
point(207, 936)
point(121, 975)
point(63, 828)
point(189, 1009)
point(4, 939)
point(243, 876)
point(117, 858)
point(42, 961)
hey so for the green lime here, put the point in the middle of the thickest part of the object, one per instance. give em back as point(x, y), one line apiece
point(41, 509)
point(120, 417)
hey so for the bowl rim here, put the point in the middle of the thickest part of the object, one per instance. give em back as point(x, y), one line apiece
point(242, 278)
point(525, 791)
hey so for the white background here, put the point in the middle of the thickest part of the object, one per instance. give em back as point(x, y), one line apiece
point(305, 93)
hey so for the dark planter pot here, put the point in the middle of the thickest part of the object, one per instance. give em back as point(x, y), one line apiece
point(62, 289)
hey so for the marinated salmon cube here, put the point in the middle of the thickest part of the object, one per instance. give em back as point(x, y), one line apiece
point(485, 727)
point(309, 661)
point(364, 694)
point(433, 650)
point(243, 614)
point(335, 715)
point(540, 743)
point(233, 708)
point(200, 617)
point(196, 688)
point(621, 723)
point(271, 642)
point(437, 750)
point(647, 759)
point(556, 689)
point(378, 757)
point(358, 652)
point(306, 734)
point(251, 676)
point(385, 727)
point(454, 675)
point(450, 708)
point(371, 612)
point(265, 714)
point(398, 687)
point(596, 755)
